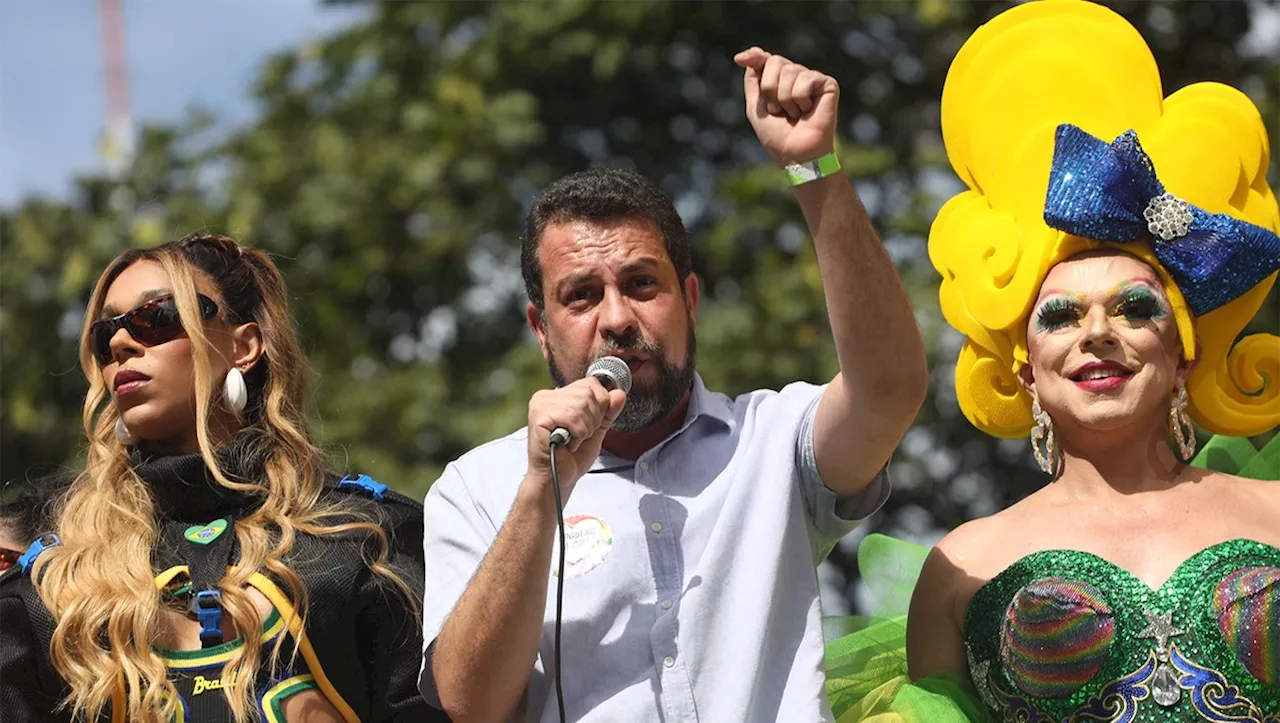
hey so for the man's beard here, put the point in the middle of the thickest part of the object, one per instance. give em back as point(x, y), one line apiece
point(647, 402)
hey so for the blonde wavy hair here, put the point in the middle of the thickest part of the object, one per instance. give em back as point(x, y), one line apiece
point(1013, 82)
point(99, 584)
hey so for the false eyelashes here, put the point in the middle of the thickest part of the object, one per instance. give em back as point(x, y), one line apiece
point(1140, 304)
point(1057, 313)
point(1137, 304)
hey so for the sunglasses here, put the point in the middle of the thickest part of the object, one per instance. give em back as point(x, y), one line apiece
point(8, 558)
point(151, 323)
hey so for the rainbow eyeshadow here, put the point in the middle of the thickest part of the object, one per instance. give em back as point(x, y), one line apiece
point(1139, 303)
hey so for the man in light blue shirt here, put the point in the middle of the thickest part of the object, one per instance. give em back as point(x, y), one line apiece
point(694, 522)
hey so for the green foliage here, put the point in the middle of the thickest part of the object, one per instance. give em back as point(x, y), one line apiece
point(391, 165)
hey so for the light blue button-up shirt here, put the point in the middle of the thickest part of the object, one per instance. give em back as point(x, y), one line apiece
point(691, 592)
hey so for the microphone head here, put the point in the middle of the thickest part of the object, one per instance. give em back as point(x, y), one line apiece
point(612, 372)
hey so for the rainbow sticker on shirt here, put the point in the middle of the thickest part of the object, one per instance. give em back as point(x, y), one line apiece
point(588, 541)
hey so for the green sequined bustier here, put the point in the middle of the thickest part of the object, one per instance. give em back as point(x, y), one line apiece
point(1064, 636)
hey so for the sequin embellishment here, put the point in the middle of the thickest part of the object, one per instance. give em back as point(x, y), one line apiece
point(1186, 634)
point(1247, 606)
point(1213, 697)
point(1056, 636)
point(1110, 192)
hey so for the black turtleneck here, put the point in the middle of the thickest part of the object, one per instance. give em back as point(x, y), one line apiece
point(185, 490)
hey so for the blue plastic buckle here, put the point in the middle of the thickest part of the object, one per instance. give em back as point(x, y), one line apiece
point(364, 482)
point(207, 605)
point(41, 544)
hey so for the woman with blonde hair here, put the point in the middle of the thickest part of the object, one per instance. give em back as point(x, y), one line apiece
point(205, 518)
point(1111, 247)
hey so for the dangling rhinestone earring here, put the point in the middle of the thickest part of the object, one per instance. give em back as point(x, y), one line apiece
point(1042, 436)
point(122, 432)
point(1184, 433)
point(234, 391)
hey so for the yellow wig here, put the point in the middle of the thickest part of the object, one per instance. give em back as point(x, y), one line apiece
point(1015, 80)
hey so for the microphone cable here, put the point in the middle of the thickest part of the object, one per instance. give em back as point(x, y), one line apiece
point(612, 373)
point(555, 485)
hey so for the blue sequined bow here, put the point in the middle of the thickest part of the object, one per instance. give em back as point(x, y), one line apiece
point(1109, 192)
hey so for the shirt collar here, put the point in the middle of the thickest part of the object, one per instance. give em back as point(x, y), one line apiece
point(702, 403)
point(705, 403)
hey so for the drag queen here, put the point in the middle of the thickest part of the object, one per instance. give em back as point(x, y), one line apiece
point(1111, 246)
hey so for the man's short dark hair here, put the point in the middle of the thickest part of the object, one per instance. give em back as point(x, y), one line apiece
point(601, 195)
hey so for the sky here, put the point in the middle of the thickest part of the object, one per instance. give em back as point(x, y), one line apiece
point(178, 53)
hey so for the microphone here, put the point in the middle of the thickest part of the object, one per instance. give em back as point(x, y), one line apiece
point(612, 373)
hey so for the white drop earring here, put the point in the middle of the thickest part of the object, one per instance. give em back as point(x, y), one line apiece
point(122, 432)
point(234, 392)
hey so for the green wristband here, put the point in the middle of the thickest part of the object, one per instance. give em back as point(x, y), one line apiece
point(802, 173)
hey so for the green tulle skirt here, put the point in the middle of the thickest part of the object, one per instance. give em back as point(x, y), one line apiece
point(867, 656)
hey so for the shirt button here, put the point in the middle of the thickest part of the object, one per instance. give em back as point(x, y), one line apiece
point(666, 604)
point(643, 465)
point(668, 661)
point(656, 527)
